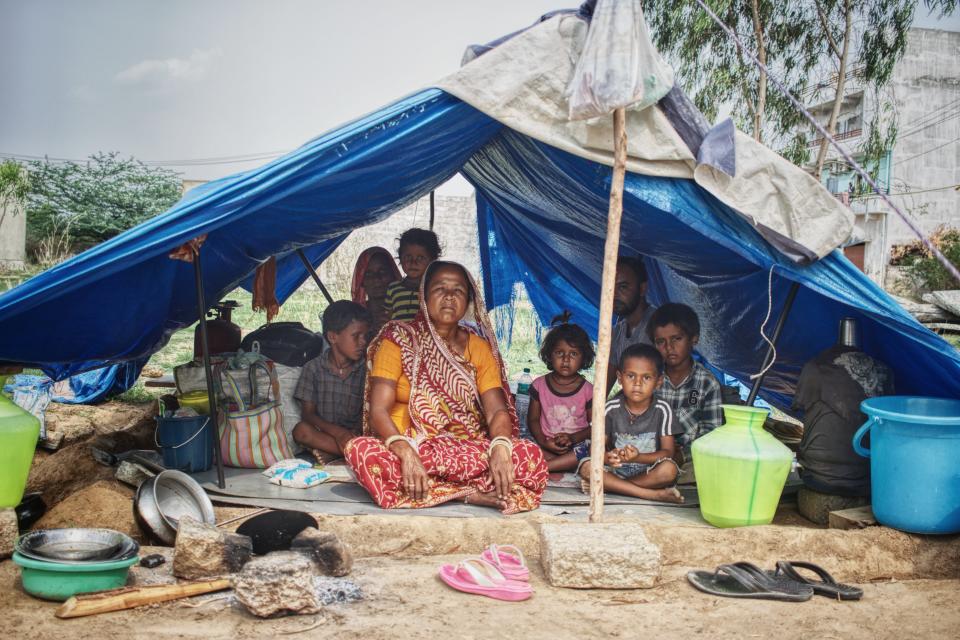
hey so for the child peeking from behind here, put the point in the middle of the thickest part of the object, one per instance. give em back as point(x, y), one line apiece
point(640, 431)
point(418, 248)
point(561, 401)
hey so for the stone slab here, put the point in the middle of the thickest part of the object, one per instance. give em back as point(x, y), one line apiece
point(598, 556)
point(856, 518)
point(279, 583)
point(204, 552)
point(947, 300)
point(816, 506)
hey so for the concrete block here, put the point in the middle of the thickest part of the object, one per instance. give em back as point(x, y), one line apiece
point(132, 473)
point(8, 532)
point(598, 556)
point(816, 506)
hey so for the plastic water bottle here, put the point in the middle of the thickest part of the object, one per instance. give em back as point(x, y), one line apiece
point(523, 401)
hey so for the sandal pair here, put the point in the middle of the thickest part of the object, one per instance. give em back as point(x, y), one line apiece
point(746, 580)
point(499, 573)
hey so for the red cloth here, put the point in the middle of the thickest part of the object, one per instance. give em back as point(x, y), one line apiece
point(265, 289)
point(457, 469)
point(357, 292)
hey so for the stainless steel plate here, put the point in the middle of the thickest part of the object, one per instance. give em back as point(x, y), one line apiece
point(77, 546)
point(178, 495)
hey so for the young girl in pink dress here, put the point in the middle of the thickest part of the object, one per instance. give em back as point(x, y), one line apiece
point(560, 402)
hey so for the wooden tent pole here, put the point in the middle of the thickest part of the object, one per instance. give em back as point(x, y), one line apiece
point(610, 251)
point(207, 369)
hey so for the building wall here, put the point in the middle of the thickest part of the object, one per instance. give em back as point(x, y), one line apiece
point(926, 90)
point(13, 235)
point(455, 224)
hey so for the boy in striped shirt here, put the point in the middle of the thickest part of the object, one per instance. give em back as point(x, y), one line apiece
point(640, 431)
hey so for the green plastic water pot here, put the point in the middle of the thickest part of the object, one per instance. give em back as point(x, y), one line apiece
point(19, 431)
point(741, 469)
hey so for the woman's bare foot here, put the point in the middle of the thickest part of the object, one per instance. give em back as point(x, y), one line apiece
point(486, 500)
point(670, 494)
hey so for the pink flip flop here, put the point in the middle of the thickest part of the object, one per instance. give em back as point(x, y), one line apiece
point(478, 576)
point(508, 559)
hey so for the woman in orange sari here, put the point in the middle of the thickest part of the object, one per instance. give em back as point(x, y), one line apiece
point(439, 422)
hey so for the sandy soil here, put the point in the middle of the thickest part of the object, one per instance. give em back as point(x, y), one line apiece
point(405, 599)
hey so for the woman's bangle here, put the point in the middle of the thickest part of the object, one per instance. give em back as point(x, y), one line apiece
point(396, 438)
point(500, 441)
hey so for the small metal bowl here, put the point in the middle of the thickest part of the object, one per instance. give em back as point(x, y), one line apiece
point(76, 546)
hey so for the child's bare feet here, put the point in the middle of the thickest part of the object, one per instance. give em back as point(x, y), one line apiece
point(670, 494)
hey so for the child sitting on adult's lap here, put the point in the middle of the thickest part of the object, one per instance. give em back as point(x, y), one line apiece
point(560, 402)
point(640, 431)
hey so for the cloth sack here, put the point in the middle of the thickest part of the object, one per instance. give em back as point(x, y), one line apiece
point(288, 377)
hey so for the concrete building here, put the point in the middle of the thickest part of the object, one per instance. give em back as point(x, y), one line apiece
point(13, 234)
point(922, 170)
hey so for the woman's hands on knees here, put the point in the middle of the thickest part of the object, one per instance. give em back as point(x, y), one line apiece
point(416, 482)
point(501, 471)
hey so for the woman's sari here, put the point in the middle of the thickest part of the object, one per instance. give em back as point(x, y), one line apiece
point(446, 421)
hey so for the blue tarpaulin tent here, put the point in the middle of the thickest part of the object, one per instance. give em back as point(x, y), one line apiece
point(541, 215)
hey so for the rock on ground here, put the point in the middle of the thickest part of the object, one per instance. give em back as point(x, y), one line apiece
point(278, 583)
point(105, 504)
point(598, 556)
point(203, 551)
point(816, 506)
point(332, 556)
point(8, 532)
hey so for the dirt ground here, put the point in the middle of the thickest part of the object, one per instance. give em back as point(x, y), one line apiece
point(911, 583)
point(404, 598)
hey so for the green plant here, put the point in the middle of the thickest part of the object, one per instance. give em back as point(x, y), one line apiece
point(96, 200)
point(14, 182)
point(920, 266)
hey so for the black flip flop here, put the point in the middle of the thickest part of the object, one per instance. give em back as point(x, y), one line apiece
point(825, 586)
point(740, 581)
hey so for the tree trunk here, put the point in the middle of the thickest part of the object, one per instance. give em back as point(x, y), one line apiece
point(841, 86)
point(762, 82)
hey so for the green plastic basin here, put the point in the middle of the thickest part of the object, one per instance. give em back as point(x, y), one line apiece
point(55, 581)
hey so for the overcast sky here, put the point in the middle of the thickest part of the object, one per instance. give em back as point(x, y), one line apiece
point(177, 79)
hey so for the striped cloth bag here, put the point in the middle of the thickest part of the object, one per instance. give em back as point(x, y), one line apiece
point(252, 437)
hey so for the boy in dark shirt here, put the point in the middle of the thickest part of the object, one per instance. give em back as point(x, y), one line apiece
point(639, 432)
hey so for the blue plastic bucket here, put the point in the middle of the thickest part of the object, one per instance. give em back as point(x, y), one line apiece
point(186, 443)
point(914, 462)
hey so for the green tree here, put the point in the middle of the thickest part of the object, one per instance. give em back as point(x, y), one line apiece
point(715, 72)
point(95, 200)
point(795, 40)
point(14, 183)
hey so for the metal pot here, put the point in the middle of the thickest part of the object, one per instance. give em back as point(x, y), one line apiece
point(166, 498)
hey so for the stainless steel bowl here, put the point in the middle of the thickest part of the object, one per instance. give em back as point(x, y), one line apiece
point(148, 514)
point(178, 495)
point(77, 546)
